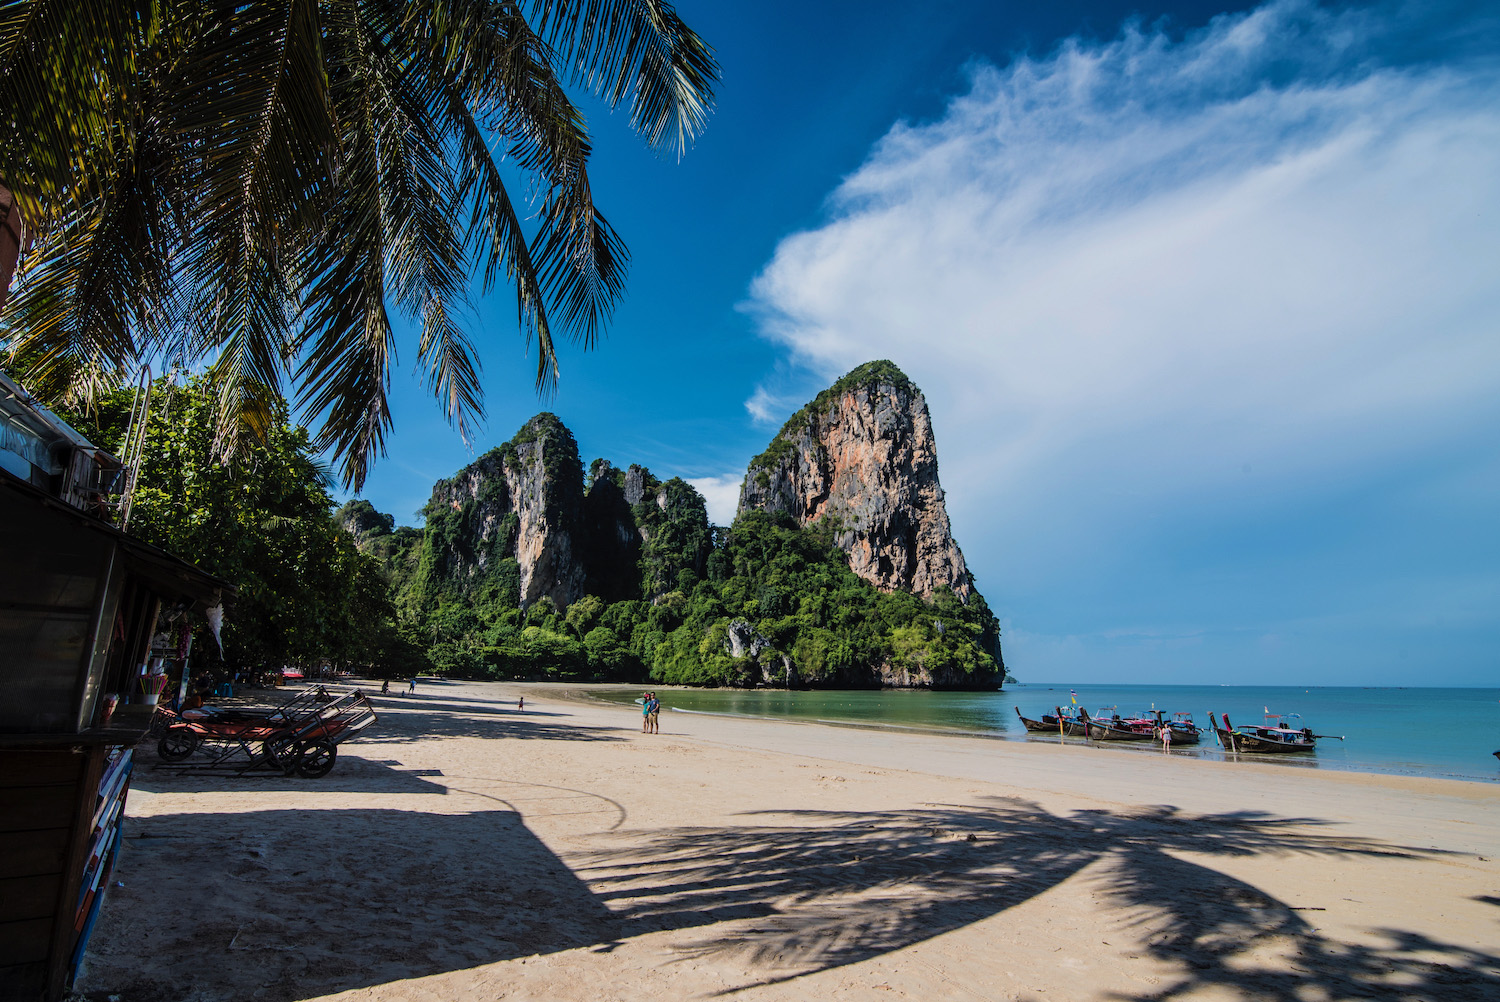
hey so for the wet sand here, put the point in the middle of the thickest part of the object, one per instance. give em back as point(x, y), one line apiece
point(463, 849)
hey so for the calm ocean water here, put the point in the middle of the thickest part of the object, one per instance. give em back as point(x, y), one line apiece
point(1420, 732)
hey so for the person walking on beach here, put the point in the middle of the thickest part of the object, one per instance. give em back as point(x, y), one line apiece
point(411, 687)
point(521, 703)
point(385, 687)
point(1166, 737)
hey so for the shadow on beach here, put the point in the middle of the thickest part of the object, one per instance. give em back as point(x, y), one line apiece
point(828, 889)
point(404, 719)
point(289, 904)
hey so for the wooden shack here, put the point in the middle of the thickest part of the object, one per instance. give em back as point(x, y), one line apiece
point(79, 602)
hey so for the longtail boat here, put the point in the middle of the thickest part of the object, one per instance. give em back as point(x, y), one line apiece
point(1053, 723)
point(1184, 731)
point(1107, 725)
point(1274, 735)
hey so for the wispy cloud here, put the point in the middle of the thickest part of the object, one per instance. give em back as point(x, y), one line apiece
point(765, 407)
point(1150, 285)
point(722, 494)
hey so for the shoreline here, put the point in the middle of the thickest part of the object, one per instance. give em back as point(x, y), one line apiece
point(463, 849)
point(1204, 752)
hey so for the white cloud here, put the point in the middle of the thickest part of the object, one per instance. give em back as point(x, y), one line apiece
point(765, 407)
point(722, 494)
point(1127, 273)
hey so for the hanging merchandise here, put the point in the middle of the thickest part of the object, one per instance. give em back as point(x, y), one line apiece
point(215, 616)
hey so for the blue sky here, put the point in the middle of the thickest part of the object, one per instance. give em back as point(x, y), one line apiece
point(1203, 300)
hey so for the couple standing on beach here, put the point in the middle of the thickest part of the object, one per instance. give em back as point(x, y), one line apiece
point(650, 712)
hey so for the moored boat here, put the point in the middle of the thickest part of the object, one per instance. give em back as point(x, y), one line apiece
point(1107, 725)
point(1184, 731)
point(1272, 736)
point(1053, 723)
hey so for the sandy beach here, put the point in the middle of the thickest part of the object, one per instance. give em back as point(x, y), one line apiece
point(464, 849)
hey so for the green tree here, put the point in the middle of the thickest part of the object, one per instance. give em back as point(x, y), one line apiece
point(263, 523)
point(253, 186)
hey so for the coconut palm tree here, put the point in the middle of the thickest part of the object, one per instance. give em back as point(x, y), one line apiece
point(254, 187)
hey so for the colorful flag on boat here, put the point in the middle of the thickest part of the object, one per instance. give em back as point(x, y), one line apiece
point(1073, 695)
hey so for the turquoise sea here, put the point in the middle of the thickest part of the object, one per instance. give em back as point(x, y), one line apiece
point(1412, 731)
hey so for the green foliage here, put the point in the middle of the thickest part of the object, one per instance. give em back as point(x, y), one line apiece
point(306, 594)
point(261, 186)
point(678, 537)
point(665, 587)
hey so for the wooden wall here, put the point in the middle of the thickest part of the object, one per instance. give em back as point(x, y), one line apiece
point(46, 801)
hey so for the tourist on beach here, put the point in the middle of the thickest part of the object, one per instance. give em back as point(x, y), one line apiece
point(521, 703)
point(645, 713)
point(412, 687)
point(1166, 737)
point(655, 705)
point(385, 687)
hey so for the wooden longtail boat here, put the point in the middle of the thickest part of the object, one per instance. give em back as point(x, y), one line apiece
point(1184, 731)
point(1052, 723)
point(1116, 728)
point(1273, 736)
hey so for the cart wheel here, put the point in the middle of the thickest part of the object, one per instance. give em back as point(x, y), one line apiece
point(317, 759)
point(284, 752)
point(177, 744)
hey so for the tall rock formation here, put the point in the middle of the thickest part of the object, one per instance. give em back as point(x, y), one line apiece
point(519, 502)
point(860, 460)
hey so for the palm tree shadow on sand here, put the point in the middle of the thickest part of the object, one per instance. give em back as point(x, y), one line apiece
point(827, 889)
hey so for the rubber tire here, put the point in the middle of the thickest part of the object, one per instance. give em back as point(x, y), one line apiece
point(317, 759)
point(284, 752)
point(177, 744)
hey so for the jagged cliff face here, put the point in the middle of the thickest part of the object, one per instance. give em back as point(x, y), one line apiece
point(861, 460)
point(521, 502)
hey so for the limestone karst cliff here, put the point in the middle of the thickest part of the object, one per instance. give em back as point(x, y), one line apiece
point(861, 460)
point(839, 570)
point(519, 503)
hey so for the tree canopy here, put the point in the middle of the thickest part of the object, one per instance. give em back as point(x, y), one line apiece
point(306, 595)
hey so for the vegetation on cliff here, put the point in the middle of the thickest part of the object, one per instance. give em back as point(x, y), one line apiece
point(666, 596)
point(864, 377)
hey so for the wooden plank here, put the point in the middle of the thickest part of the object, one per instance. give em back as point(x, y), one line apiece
point(24, 942)
point(22, 982)
point(35, 807)
point(39, 768)
point(29, 854)
point(29, 897)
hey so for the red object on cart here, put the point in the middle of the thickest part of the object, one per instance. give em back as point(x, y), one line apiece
point(300, 736)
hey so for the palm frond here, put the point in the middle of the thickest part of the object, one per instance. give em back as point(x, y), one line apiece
point(639, 49)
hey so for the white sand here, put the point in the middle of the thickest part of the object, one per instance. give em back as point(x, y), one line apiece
point(464, 850)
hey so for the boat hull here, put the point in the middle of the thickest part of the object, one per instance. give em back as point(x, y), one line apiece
point(1263, 746)
point(1103, 732)
point(1070, 728)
